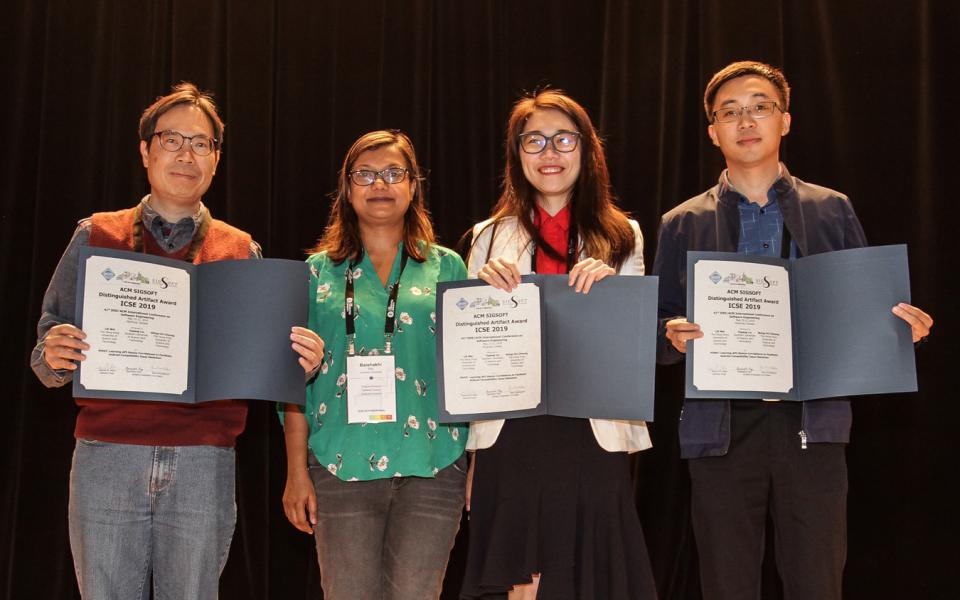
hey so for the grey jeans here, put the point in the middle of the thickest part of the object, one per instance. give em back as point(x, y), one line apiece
point(386, 539)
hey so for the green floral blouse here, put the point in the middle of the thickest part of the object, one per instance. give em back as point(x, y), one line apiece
point(416, 444)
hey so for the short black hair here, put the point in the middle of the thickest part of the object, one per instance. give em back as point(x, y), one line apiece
point(740, 69)
point(182, 93)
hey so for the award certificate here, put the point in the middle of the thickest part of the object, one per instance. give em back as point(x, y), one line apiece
point(167, 330)
point(818, 326)
point(137, 319)
point(544, 349)
point(743, 309)
point(492, 345)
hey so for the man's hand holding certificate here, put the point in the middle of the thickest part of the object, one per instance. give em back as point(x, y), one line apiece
point(167, 330)
point(816, 327)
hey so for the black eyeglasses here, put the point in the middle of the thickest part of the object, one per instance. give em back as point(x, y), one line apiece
point(388, 175)
point(172, 141)
point(535, 142)
point(760, 110)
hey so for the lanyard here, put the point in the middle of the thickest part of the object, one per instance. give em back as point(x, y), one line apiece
point(571, 250)
point(350, 308)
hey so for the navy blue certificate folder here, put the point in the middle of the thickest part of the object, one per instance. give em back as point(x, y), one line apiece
point(846, 340)
point(241, 312)
point(598, 350)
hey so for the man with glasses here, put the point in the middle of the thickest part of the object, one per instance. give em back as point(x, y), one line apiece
point(750, 458)
point(152, 483)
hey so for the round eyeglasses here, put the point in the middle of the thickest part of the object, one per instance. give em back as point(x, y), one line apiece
point(760, 110)
point(388, 175)
point(172, 141)
point(535, 142)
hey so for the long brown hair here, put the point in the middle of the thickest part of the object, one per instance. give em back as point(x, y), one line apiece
point(602, 226)
point(341, 238)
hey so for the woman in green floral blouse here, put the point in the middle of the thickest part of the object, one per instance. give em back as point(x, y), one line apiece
point(371, 472)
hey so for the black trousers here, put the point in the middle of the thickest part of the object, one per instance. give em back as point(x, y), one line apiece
point(766, 471)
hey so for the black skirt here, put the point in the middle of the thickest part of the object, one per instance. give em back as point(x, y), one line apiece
point(548, 499)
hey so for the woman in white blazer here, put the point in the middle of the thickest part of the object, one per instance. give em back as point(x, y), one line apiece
point(551, 500)
point(513, 241)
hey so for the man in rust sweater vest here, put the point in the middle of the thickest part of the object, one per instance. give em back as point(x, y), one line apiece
point(152, 483)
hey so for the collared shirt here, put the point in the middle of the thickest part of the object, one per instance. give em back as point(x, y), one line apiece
point(761, 227)
point(172, 237)
point(761, 231)
point(417, 443)
point(555, 230)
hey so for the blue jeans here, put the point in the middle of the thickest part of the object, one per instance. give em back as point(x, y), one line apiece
point(386, 539)
point(142, 510)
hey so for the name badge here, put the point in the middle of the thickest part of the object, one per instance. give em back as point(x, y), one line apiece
point(371, 389)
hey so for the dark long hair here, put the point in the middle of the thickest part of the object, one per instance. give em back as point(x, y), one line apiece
point(341, 238)
point(602, 226)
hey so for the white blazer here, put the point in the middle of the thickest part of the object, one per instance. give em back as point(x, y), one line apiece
point(513, 242)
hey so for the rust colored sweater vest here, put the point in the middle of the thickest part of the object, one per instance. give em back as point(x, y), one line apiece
point(147, 423)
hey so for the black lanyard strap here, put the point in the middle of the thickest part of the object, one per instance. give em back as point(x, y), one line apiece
point(350, 307)
point(571, 250)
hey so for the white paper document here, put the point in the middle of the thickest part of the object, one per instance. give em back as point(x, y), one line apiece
point(371, 389)
point(491, 349)
point(743, 309)
point(137, 319)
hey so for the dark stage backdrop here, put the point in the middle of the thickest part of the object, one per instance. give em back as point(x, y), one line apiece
point(875, 92)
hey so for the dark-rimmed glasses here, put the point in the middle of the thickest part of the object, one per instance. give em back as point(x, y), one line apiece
point(562, 141)
point(760, 110)
point(172, 141)
point(368, 176)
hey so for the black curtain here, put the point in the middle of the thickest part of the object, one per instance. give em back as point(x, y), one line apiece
point(875, 90)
